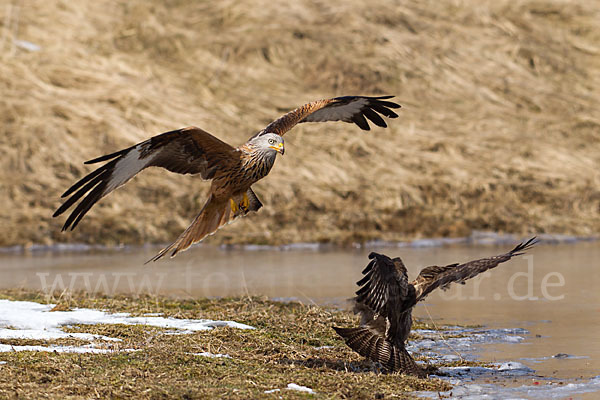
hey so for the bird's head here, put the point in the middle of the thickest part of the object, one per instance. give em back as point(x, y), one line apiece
point(269, 142)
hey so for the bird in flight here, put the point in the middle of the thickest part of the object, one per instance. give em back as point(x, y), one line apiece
point(386, 298)
point(233, 170)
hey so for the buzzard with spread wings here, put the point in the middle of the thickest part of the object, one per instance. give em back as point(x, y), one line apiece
point(386, 298)
point(233, 170)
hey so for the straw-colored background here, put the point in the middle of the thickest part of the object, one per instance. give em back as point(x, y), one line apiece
point(499, 130)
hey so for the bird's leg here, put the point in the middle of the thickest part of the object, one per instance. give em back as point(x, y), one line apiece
point(234, 206)
point(245, 203)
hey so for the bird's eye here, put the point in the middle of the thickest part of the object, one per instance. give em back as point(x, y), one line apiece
point(271, 141)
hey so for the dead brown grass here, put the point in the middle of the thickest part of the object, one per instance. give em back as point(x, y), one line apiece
point(282, 349)
point(499, 130)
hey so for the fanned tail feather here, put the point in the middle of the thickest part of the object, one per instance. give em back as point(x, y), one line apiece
point(376, 348)
point(213, 216)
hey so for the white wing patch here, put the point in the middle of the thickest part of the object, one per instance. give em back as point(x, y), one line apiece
point(127, 167)
point(338, 112)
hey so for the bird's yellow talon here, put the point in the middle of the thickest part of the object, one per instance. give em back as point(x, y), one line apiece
point(234, 207)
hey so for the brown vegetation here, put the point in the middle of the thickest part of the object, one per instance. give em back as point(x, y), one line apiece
point(285, 347)
point(499, 130)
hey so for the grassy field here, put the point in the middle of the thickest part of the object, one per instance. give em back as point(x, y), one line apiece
point(499, 128)
point(281, 350)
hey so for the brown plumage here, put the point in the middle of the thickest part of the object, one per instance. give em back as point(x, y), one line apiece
point(386, 298)
point(232, 170)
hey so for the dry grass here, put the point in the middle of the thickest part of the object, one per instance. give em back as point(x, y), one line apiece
point(280, 351)
point(499, 128)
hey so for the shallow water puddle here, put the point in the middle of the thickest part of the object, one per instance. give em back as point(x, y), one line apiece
point(506, 380)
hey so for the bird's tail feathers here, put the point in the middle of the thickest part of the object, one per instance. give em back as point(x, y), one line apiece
point(213, 216)
point(377, 348)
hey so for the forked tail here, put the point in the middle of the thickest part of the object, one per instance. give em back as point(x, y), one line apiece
point(377, 348)
point(213, 216)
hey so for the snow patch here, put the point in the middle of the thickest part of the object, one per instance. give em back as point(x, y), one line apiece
point(59, 349)
point(36, 334)
point(211, 355)
point(29, 320)
point(513, 365)
point(293, 386)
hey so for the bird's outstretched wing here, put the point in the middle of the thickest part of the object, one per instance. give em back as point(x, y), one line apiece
point(353, 109)
point(433, 277)
point(184, 151)
point(384, 285)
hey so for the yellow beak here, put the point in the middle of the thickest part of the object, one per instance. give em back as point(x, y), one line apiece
point(279, 148)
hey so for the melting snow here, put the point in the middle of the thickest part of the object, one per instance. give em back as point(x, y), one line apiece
point(560, 356)
point(37, 334)
point(207, 354)
point(58, 349)
point(437, 350)
point(539, 391)
point(470, 373)
point(29, 320)
point(293, 386)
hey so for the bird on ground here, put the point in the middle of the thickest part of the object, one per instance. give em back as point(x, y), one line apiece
point(386, 298)
point(233, 170)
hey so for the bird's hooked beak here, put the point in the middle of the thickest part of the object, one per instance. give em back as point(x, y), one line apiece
point(279, 148)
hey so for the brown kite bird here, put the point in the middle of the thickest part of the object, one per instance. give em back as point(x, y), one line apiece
point(386, 299)
point(232, 170)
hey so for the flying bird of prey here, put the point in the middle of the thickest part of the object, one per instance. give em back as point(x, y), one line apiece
point(232, 170)
point(386, 298)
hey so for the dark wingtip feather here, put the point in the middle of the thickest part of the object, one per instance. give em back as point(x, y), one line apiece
point(362, 123)
point(84, 206)
point(374, 117)
point(108, 156)
point(79, 194)
point(386, 112)
point(364, 279)
point(389, 104)
point(368, 267)
point(524, 246)
point(87, 178)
